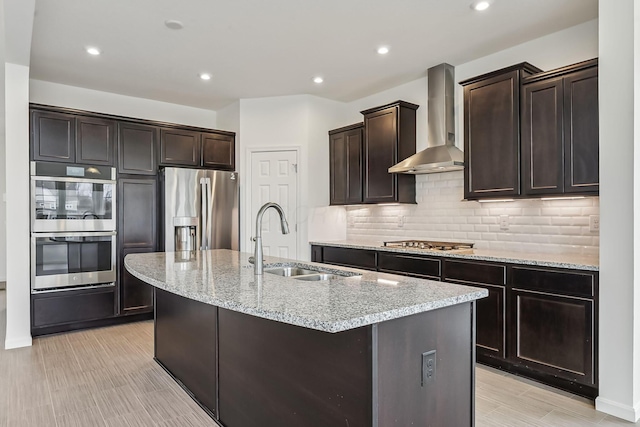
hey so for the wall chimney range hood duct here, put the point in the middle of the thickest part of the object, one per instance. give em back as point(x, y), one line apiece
point(442, 155)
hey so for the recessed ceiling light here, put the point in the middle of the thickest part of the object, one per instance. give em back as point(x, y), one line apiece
point(205, 76)
point(318, 80)
point(480, 5)
point(93, 51)
point(383, 50)
point(173, 24)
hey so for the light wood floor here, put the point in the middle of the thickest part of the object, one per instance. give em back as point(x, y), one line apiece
point(107, 377)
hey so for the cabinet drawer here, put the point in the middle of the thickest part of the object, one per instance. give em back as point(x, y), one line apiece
point(474, 272)
point(558, 282)
point(73, 306)
point(358, 258)
point(410, 265)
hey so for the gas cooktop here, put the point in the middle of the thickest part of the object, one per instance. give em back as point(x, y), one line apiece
point(459, 247)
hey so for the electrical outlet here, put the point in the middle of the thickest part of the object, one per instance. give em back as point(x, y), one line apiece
point(594, 223)
point(428, 367)
point(351, 221)
point(400, 220)
point(504, 222)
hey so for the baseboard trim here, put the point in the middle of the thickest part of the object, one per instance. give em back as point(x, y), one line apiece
point(625, 412)
point(17, 343)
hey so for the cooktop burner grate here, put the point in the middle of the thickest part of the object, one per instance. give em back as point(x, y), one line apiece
point(428, 244)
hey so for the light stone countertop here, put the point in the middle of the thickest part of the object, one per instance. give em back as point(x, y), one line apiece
point(570, 261)
point(225, 279)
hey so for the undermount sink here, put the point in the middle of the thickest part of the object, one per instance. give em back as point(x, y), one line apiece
point(289, 271)
point(300, 273)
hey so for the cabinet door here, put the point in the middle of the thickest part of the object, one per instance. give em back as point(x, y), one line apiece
point(179, 147)
point(380, 153)
point(137, 149)
point(492, 137)
point(338, 169)
point(542, 138)
point(95, 141)
point(53, 137)
point(581, 154)
point(353, 140)
point(348, 257)
point(137, 233)
point(218, 151)
point(554, 334)
point(491, 312)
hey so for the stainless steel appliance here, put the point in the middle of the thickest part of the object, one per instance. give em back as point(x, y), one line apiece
point(200, 208)
point(69, 260)
point(73, 226)
point(457, 247)
point(72, 197)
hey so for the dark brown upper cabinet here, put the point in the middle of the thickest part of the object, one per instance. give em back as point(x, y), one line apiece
point(70, 138)
point(53, 136)
point(218, 151)
point(345, 165)
point(137, 149)
point(179, 147)
point(95, 141)
point(492, 132)
point(560, 131)
point(389, 137)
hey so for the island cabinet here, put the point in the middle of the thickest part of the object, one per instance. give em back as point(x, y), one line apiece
point(560, 131)
point(281, 375)
point(188, 148)
point(345, 165)
point(389, 137)
point(69, 138)
point(492, 132)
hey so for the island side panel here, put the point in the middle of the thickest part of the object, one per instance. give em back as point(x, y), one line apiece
point(445, 399)
point(186, 344)
point(278, 375)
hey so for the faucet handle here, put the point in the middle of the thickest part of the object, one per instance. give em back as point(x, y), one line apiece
point(253, 239)
point(252, 260)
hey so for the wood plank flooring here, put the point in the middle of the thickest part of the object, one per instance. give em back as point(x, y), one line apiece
point(107, 377)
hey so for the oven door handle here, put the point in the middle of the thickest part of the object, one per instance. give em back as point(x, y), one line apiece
point(76, 234)
point(67, 179)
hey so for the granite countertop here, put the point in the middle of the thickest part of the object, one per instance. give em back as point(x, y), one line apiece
point(225, 278)
point(577, 262)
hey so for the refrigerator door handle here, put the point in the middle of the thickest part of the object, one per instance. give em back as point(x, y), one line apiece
point(203, 215)
point(209, 211)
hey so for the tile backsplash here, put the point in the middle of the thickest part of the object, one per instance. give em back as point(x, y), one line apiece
point(557, 226)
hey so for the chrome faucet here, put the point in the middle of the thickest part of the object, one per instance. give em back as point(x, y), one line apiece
point(257, 254)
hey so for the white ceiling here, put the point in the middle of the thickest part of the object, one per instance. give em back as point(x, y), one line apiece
point(259, 48)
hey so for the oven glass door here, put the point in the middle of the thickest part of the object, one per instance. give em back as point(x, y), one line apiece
point(71, 204)
point(72, 259)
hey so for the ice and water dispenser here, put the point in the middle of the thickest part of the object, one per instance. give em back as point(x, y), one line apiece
point(185, 233)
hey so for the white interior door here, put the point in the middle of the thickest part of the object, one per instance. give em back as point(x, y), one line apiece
point(274, 179)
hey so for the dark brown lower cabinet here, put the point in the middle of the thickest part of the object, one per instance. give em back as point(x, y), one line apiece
point(137, 233)
point(253, 372)
point(537, 322)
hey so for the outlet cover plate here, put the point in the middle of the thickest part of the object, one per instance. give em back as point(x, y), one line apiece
point(504, 222)
point(594, 223)
point(428, 367)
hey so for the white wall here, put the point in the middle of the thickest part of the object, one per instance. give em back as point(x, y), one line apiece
point(620, 196)
point(300, 121)
point(48, 93)
point(18, 333)
point(3, 204)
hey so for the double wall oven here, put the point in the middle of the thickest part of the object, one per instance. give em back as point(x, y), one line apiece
point(73, 226)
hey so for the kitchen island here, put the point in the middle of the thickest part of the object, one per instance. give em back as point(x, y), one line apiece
point(360, 349)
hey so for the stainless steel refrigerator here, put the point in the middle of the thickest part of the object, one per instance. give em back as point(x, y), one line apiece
point(200, 209)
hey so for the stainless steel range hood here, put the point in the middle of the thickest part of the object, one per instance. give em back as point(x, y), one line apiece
point(441, 155)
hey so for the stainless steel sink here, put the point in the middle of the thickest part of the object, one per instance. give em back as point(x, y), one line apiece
point(316, 277)
point(300, 273)
point(289, 271)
